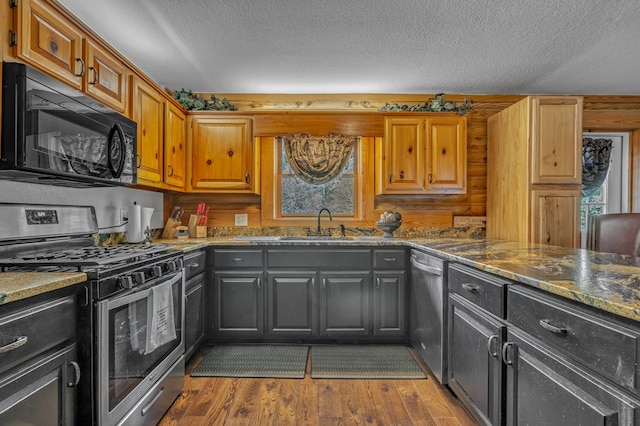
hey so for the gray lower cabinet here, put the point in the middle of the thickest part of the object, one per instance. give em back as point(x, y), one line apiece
point(519, 356)
point(237, 295)
point(194, 301)
point(476, 332)
point(545, 388)
point(566, 361)
point(39, 370)
point(309, 294)
point(291, 304)
point(344, 304)
point(239, 301)
point(389, 304)
point(475, 364)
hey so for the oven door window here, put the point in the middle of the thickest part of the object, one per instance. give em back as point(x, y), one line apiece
point(143, 329)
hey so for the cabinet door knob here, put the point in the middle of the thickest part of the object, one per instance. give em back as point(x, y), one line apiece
point(508, 360)
point(170, 167)
point(76, 372)
point(492, 339)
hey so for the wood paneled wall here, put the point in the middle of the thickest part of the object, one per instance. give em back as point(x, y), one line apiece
point(601, 113)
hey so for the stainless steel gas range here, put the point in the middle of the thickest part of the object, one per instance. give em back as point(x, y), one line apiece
point(131, 309)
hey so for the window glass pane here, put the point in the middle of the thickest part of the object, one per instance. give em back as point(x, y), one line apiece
point(286, 168)
point(300, 198)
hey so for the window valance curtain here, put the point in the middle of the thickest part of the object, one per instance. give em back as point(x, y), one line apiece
point(318, 159)
point(596, 155)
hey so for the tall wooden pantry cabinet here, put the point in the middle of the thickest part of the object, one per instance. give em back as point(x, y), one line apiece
point(534, 171)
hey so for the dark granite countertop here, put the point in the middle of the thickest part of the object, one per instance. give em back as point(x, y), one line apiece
point(608, 282)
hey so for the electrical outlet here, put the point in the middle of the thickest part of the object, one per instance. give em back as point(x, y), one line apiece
point(123, 216)
point(459, 221)
point(241, 219)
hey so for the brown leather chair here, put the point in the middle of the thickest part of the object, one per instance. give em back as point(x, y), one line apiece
point(615, 233)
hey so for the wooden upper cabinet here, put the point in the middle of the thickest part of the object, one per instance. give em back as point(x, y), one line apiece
point(446, 155)
point(106, 76)
point(48, 40)
point(422, 154)
point(175, 147)
point(555, 216)
point(148, 111)
point(534, 171)
point(223, 155)
point(556, 137)
point(402, 167)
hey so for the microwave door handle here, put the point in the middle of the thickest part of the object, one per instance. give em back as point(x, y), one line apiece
point(116, 169)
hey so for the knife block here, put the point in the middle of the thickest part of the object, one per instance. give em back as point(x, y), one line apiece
point(169, 230)
point(195, 230)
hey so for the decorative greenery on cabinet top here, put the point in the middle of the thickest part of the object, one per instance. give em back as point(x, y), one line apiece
point(435, 104)
point(191, 101)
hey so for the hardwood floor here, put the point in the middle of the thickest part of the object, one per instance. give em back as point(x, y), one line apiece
point(235, 401)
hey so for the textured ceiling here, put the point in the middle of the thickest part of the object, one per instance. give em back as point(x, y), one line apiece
point(376, 46)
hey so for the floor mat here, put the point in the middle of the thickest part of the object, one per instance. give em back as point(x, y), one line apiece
point(279, 361)
point(364, 362)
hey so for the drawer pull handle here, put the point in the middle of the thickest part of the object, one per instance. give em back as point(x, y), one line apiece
point(492, 339)
point(148, 407)
point(237, 259)
point(470, 287)
point(76, 371)
point(389, 259)
point(14, 345)
point(546, 324)
point(194, 265)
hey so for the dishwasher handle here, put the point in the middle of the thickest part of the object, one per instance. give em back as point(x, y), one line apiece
point(426, 268)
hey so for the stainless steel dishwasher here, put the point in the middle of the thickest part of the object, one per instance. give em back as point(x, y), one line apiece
point(428, 311)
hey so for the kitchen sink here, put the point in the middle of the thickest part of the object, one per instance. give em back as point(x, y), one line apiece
point(267, 238)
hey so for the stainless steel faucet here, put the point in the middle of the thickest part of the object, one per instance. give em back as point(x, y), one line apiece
point(319, 230)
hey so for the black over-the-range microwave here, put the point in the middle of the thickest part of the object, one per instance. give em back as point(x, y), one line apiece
point(55, 134)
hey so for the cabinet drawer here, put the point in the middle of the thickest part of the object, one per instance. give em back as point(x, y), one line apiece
point(388, 259)
point(234, 258)
point(30, 329)
point(481, 288)
point(194, 264)
point(327, 259)
point(591, 339)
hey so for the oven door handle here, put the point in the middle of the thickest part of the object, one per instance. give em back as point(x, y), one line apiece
point(141, 294)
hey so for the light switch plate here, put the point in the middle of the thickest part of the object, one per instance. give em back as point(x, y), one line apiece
point(241, 219)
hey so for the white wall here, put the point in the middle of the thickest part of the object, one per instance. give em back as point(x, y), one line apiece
point(106, 201)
